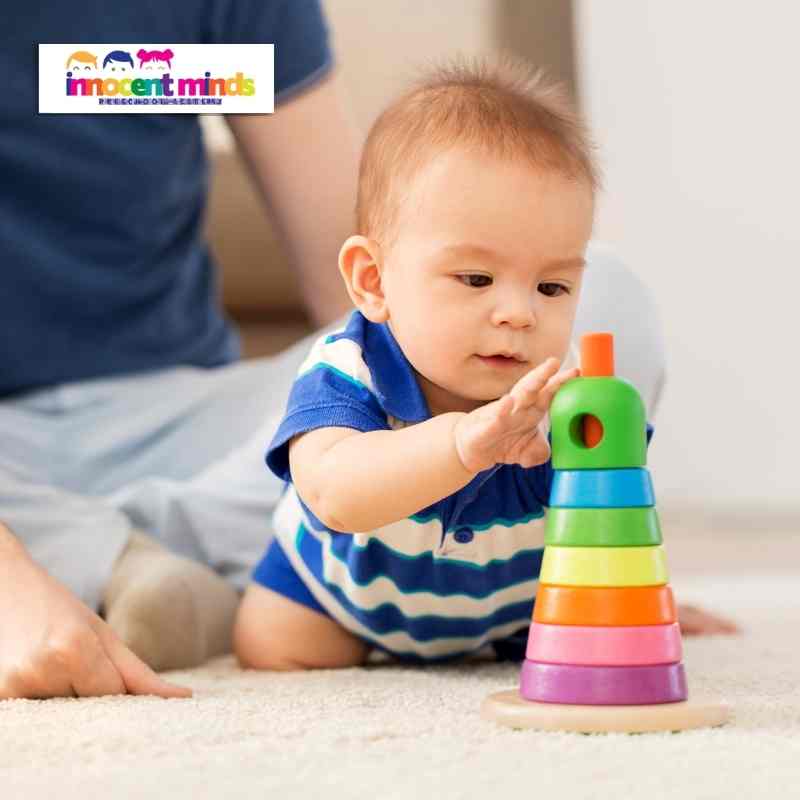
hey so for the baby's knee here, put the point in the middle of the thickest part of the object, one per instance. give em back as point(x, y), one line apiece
point(273, 632)
point(254, 642)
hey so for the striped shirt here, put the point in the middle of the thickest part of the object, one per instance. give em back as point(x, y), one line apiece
point(441, 583)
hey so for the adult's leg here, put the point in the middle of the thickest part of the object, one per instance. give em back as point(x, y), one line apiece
point(76, 539)
point(64, 449)
point(181, 453)
point(170, 611)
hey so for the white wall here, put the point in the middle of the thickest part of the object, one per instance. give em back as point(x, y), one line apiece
point(695, 108)
point(380, 46)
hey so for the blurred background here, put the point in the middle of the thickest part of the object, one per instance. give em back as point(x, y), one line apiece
point(694, 109)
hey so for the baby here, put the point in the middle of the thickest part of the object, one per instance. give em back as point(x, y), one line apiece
point(414, 444)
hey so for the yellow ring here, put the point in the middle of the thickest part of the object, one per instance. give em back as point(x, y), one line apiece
point(604, 566)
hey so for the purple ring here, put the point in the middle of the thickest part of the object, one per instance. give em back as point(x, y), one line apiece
point(603, 686)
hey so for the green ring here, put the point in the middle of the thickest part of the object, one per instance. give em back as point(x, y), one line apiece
point(602, 527)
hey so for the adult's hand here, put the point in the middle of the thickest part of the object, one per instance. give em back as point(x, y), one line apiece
point(52, 645)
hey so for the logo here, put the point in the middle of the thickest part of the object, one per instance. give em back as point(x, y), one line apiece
point(189, 78)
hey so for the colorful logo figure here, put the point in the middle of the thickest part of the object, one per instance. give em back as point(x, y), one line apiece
point(118, 59)
point(124, 81)
point(155, 58)
point(83, 61)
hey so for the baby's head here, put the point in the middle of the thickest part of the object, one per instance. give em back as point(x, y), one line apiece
point(475, 202)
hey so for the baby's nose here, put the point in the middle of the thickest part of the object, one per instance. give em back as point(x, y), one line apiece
point(515, 312)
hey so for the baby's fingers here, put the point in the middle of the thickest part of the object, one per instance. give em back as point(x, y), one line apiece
point(504, 407)
point(526, 389)
point(553, 385)
point(490, 420)
point(478, 433)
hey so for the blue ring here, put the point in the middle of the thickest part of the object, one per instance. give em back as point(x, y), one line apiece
point(602, 488)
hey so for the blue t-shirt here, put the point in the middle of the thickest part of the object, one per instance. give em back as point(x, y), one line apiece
point(443, 582)
point(103, 265)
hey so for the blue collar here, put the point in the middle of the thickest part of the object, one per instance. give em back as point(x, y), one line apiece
point(393, 376)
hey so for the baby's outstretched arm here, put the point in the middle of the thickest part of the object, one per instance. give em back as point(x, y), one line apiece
point(355, 481)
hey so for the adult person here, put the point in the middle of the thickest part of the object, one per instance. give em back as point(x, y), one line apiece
point(117, 362)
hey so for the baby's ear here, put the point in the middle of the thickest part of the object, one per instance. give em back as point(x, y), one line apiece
point(361, 268)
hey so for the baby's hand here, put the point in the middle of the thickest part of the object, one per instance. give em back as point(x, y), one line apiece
point(506, 431)
point(696, 621)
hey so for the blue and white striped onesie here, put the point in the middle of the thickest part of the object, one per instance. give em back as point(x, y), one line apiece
point(441, 583)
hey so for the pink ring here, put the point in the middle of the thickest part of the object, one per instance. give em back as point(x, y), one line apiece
point(624, 645)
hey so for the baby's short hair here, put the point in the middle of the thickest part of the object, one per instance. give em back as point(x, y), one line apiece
point(499, 106)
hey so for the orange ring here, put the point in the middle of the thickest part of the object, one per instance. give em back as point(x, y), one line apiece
point(604, 605)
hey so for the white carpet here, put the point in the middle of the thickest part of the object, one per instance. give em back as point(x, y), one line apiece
point(392, 732)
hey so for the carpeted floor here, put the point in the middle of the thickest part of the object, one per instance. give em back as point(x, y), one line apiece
point(393, 732)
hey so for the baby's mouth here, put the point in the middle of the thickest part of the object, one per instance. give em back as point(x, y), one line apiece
point(500, 361)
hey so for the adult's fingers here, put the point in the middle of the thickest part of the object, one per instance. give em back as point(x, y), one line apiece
point(137, 676)
point(71, 663)
point(37, 683)
point(95, 674)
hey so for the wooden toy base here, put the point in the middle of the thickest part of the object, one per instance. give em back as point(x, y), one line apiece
point(508, 708)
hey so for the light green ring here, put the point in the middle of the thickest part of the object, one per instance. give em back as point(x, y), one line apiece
point(602, 527)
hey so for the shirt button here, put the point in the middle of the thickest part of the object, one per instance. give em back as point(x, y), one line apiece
point(463, 535)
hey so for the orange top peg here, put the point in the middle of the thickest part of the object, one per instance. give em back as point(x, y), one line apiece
point(597, 355)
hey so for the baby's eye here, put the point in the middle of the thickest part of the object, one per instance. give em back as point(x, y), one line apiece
point(476, 280)
point(552, 289)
